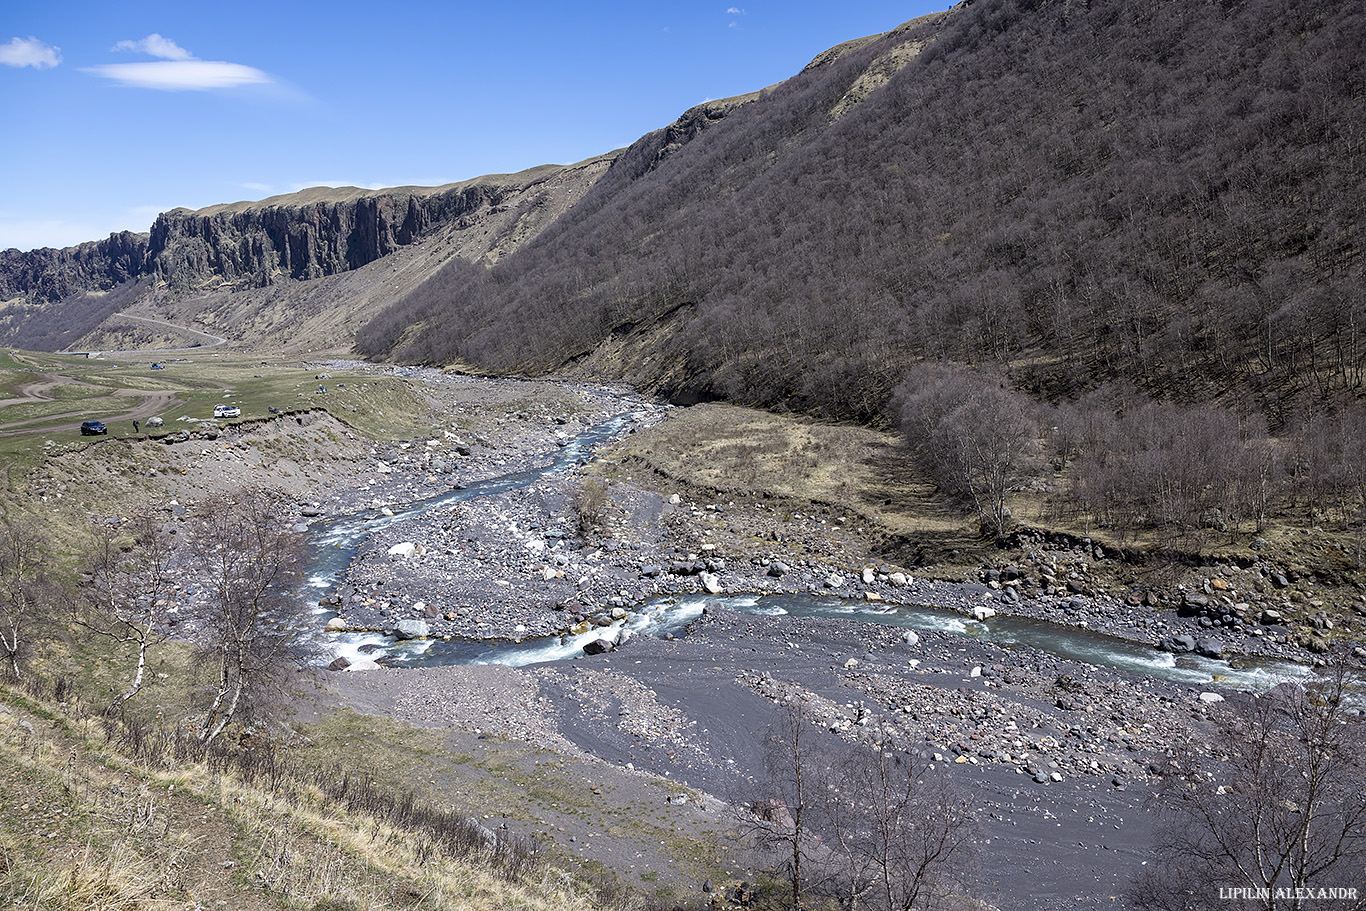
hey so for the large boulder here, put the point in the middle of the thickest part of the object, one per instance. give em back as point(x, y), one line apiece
point(1210, 648)
point(363, 664)
point(412, 629)
point(1194, 603)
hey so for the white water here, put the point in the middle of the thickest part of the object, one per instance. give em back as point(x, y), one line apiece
point(336, 542)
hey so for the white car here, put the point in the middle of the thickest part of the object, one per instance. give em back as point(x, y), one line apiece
point(226, 411)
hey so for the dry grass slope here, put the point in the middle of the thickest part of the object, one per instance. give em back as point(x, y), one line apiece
point(86, 825)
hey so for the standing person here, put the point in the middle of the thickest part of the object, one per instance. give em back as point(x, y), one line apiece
point(135, 426)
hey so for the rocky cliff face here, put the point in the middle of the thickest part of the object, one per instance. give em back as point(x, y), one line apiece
point(52, 275)
point(253, 246)
point(302, 236)
point(301, 271)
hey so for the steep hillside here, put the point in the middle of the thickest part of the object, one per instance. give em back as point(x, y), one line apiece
point(275, 272)
point(1163, 193)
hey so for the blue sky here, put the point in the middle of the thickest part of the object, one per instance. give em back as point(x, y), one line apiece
point(114, 112)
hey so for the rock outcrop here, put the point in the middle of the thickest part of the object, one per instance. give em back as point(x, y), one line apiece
point(51, 275)
point(300, 237)
point(253, 244)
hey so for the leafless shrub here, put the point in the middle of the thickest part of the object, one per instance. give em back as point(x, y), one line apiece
point(28, 592)
point(904, 831)
point(1277, 809)
point(861, 827)
point(255, 627)
point(976, 436)
point(590, 504)
point(130, 579)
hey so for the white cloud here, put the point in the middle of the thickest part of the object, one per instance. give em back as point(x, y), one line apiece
point(182, 75)
point(156, 46)
point(178, 70)
point(735, 11)
point(30, 52)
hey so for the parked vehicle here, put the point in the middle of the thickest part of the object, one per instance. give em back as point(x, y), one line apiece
point(93, 428)
point(226, 411)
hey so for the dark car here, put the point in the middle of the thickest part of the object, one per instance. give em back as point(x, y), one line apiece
point(93, 428)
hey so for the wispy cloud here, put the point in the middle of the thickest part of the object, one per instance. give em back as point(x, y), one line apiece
point(182, 75)
point(178, 70)
point(30, 52)
point(735, 12)
point(156, 46)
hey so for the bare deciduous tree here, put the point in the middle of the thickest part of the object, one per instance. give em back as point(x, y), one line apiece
point(254, 624)
point(904, 832)
point(131, 577)
point(783, 817)
point(27, 591)
point(863, 827)
point(1276, 815)
point(975, 435)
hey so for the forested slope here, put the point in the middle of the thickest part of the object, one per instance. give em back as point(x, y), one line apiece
point(1168, 193)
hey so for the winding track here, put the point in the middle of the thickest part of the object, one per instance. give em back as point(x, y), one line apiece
point(211, 341)
point(150, 404)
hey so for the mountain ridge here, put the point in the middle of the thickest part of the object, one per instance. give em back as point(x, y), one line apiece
point(1074, 194)
point(190, 258)
point(59, 297)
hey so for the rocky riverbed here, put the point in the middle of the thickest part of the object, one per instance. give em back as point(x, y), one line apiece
point(1060, 753)
point(1063, 752)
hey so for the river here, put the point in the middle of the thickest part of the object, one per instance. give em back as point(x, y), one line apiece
point(335, 543)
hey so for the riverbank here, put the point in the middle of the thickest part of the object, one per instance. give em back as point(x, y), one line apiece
point(1063, 752)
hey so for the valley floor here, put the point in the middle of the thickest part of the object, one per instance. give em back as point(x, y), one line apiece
point(639, 761)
